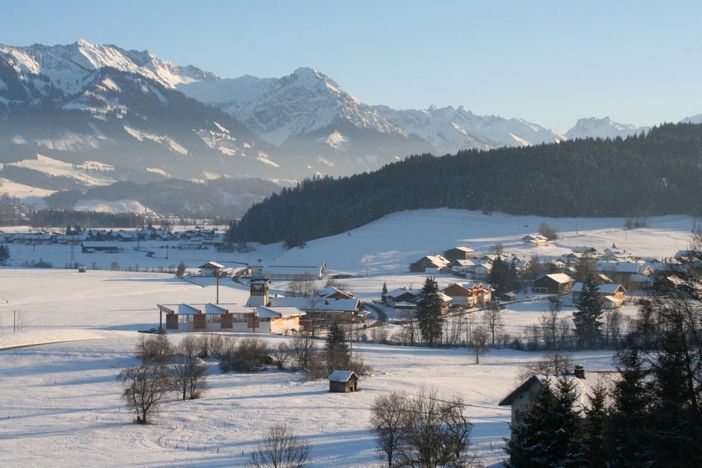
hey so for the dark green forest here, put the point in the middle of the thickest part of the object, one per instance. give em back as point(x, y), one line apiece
point(645, 175)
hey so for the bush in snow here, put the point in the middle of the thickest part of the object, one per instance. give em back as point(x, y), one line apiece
point(281, 448)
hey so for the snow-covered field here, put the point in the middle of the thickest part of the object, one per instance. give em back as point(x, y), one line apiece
point(64, 397)
point(390, 244)
point(61, 400)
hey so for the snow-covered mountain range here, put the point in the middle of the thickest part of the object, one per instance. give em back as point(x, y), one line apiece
point(150, 119)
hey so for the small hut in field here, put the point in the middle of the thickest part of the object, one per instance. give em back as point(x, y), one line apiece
point(343, 381)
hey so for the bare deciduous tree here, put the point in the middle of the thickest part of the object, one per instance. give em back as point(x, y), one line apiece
point(281, 448)
point(188, 369)
point(479, 342)
point(388, 421)
point(304, 286)
point(492, 318)
point(302, 347)
point(435, 432)
point(146, 384)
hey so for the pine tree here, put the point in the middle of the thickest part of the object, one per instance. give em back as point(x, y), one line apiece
point(550, 434)
point(630, 422)
point(676, 415)
point(588, 318)
point(384, 291)
point(338, 356)
point(4, 254)
point(429, 316)
point(594, 428)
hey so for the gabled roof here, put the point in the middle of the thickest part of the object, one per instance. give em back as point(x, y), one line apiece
point(342, 375)
point(211, 266)
point(462, 249)
point(583, 387)
point(560, 278)
point(608, 288)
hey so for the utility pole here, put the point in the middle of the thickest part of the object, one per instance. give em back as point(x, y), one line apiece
point(217, 274)
point(14, 321)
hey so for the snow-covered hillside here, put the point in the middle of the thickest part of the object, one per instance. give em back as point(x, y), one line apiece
point(391, 243)
point(605, 127)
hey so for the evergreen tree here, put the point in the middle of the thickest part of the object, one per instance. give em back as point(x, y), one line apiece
point(338, 356)
point(550, 433)
point(594, 428)
point(429, 316)
point(384, 292)
point(630, 423)
point(4, 254)
point(676, 415)
point(588, 318)
point(502, 276)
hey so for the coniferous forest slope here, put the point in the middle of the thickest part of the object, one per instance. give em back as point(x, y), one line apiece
point(659, 173)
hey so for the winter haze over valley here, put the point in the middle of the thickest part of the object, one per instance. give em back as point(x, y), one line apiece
point(354, 234)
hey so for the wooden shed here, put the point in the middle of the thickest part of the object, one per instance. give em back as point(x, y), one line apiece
point(343, 381)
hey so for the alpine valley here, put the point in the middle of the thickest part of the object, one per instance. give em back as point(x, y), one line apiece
point(82, 119)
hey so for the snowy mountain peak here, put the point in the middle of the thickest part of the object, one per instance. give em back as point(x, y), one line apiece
point(66, 67)
point(300, 103)
point(605, 127)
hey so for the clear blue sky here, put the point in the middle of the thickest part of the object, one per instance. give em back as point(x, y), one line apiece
point(547, 61)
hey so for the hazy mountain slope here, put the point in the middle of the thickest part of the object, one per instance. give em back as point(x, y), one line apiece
point(605, 127)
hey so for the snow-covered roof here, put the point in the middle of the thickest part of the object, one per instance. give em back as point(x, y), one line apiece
point(316, 304)
point(400, 291)
point(331, 290)
point(211, 266)
point(464, 262)
point(560, 278)
point(583, 387)
point(274, 312)
point(342, 375)
point(622, 267)
point(185, 309)
point(462, 249)
point(608, 288)
point(215, 309)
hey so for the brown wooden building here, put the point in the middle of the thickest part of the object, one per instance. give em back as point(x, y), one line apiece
point(343, 381)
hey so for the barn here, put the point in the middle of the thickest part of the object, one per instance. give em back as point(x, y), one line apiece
point(459, 253)
point(553, 283)
point(343, 381)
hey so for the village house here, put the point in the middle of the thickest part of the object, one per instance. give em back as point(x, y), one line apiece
point(211, 269)
point(430, 264)
point(332, 292)
point(469, 294)
point(612, 294)
point(622, 272)
point(521, 398)
point(535, 240)
point(459, 253)
point(343, 381)
point(482, 271)
point(392, 298)
point(462, 267)
point(553, 283)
